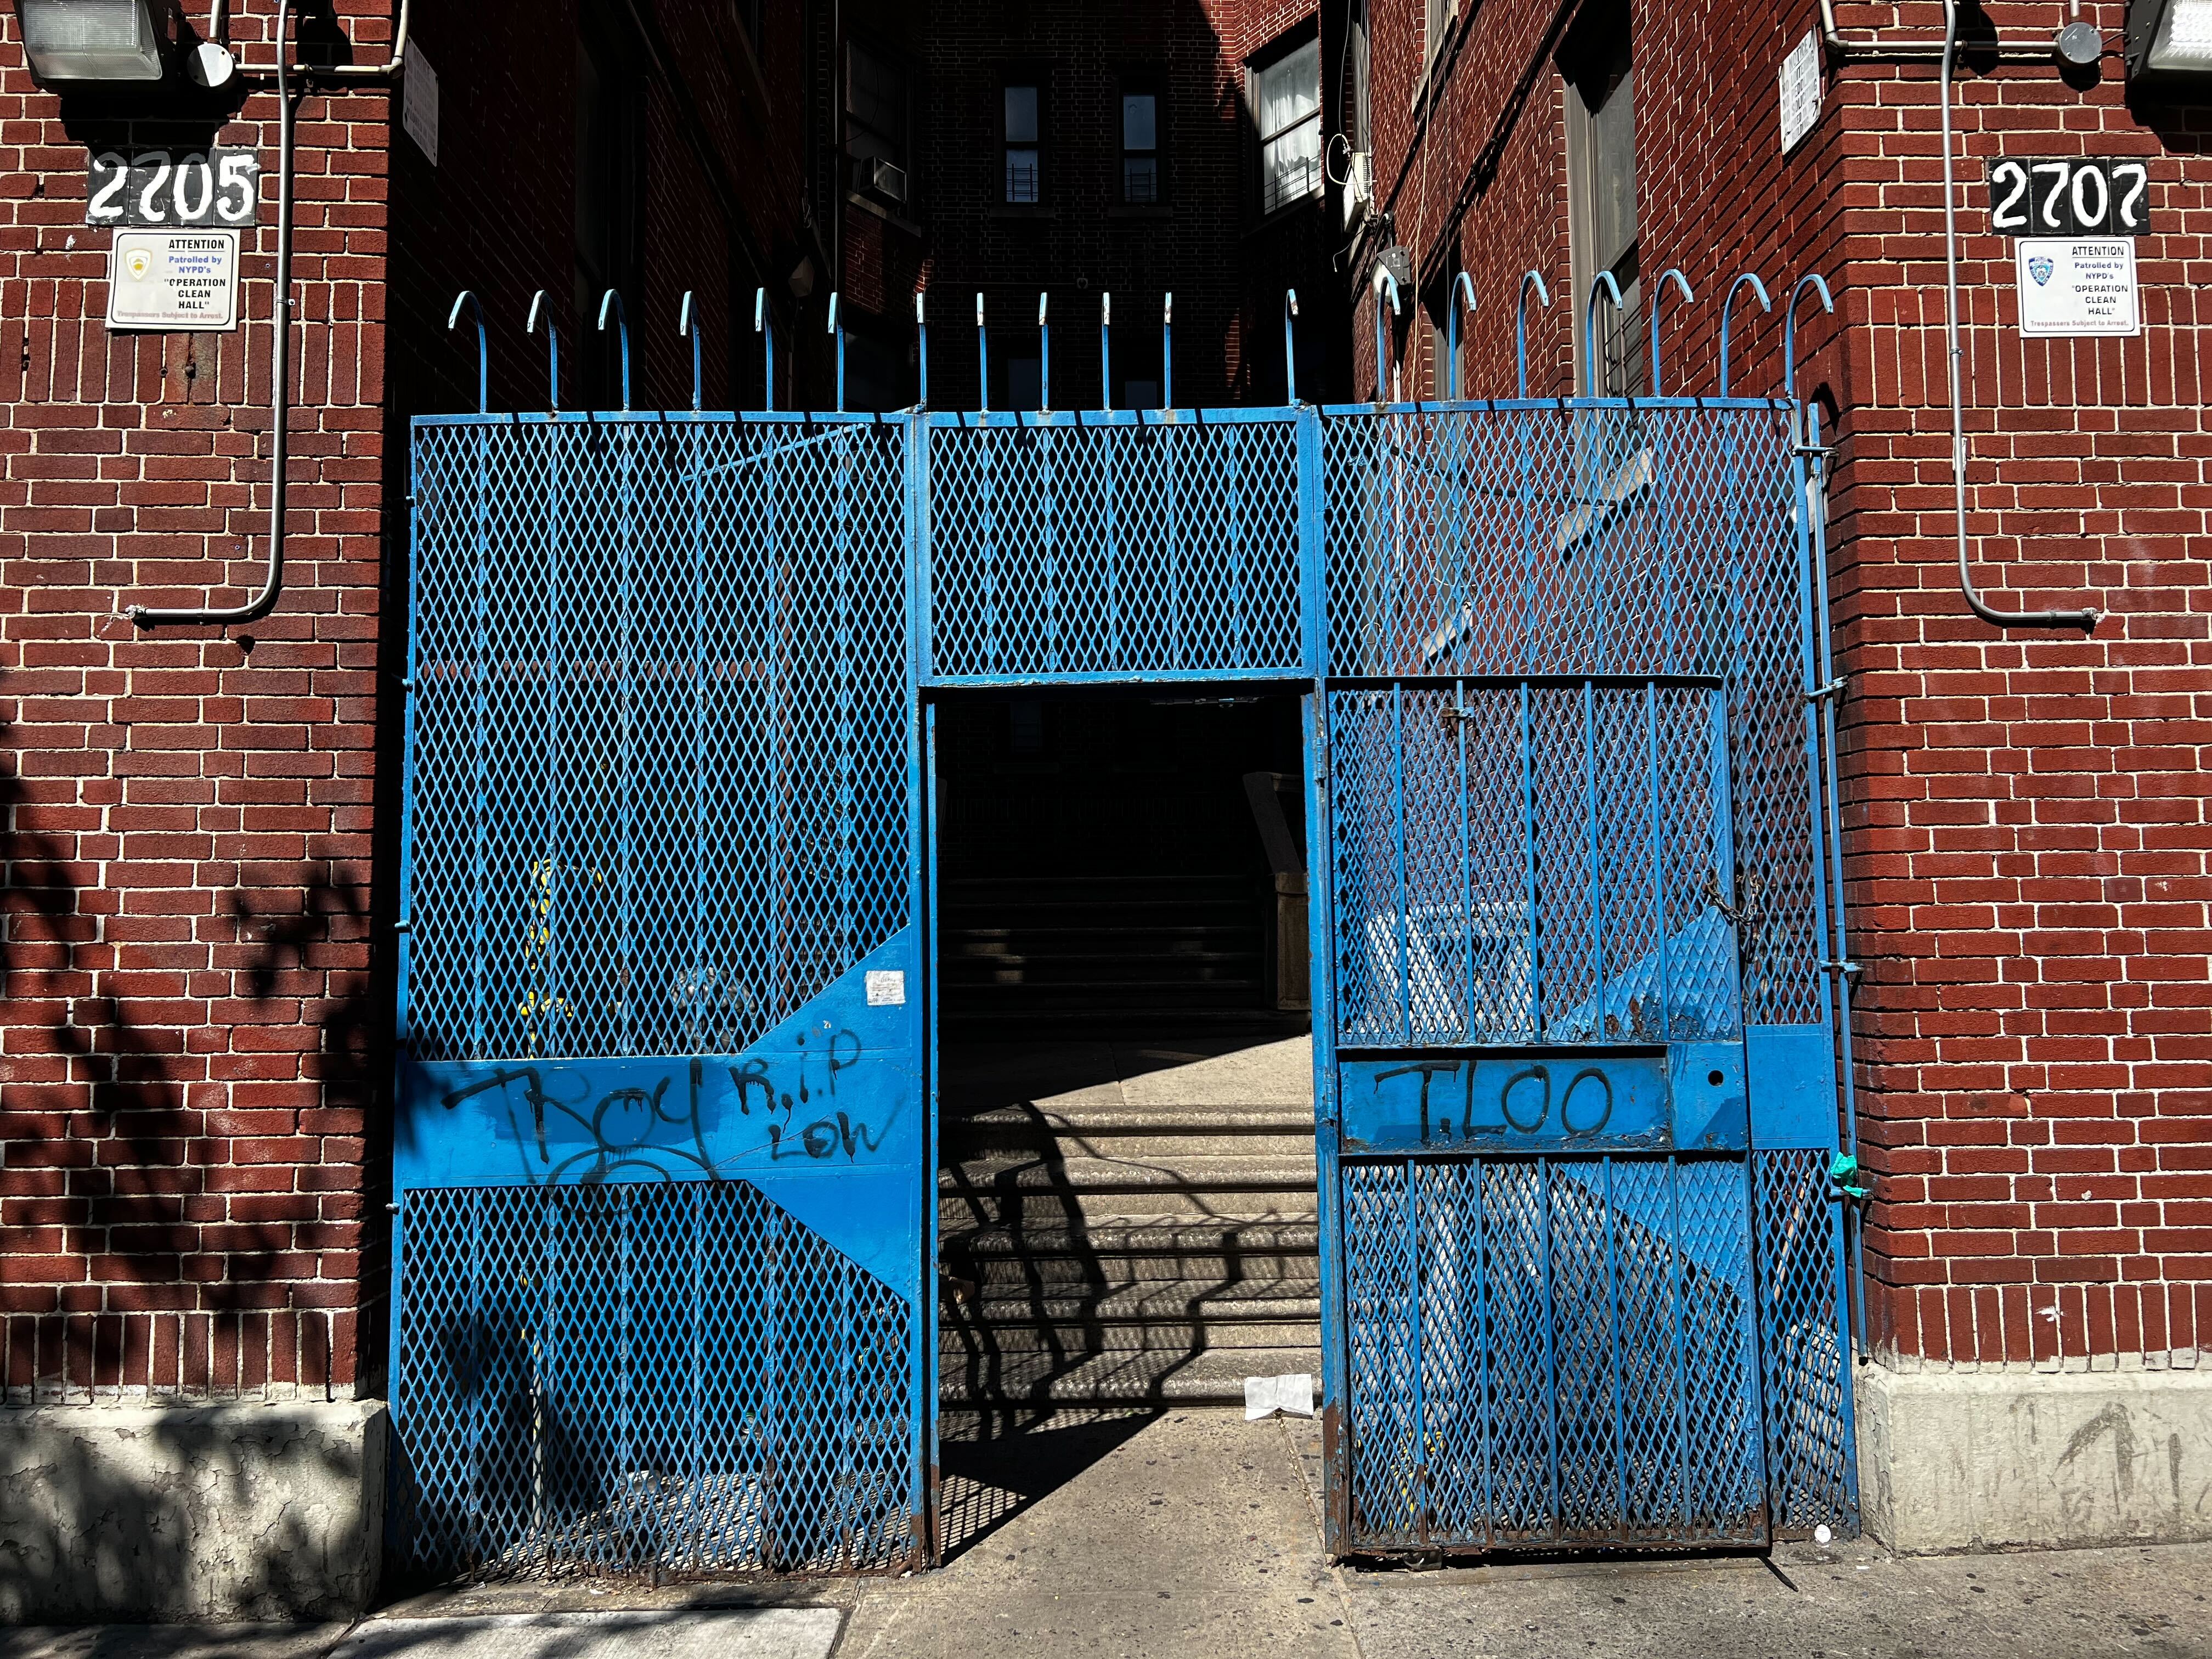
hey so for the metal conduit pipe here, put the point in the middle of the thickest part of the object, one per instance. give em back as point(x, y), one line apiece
point(280, 386)
point(1839, 46)
point(2086, 618)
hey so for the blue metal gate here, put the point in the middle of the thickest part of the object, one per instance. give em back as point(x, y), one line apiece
point(664, 1145)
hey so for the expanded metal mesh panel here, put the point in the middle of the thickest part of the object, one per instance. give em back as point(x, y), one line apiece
point(658, 770)
point(600, 1378)
point(1590, 539)
point(1548, 1351)
point(1531, 862)
point(1802, 1342)
point(1068, 545)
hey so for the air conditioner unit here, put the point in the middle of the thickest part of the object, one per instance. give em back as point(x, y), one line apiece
point(883, 178)
point(1358, 187)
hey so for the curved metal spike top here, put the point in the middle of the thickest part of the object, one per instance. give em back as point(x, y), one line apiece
point(1819, 284)
point(921, 349)
point(982, 358)
point(1521, 323)
point(467, 297)
point(1461, 283)
point(612, 301)
point(1673, 274)
point(1384, 283)
point(1167, 351)
point(1728, 306)
point(1603, 280)
point(1105, 350)
point(1044, 354)
point(688, 323)
point(1289, 347)
point(768, 347)
point(840, 334)
point(552, 347)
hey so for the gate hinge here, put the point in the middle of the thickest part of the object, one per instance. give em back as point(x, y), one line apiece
point(1452, 711)
point(1848, 969)
point(1834, 688)
point(1814, 452)
point(1841, 1170)
point(403, 925)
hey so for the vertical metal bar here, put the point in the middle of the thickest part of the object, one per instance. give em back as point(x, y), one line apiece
point(1551, 1342)
point(1109, 443)
point(1397, 822)
point(771, 653)
point(1612, 1306)
point(1234, 442)
point(1594, 844)
point(1844, 976)
point(411, 706)
point(479, 736)
point(1337, 1427)
point(1170, 433)
point(543, 1350)
point(921, 1005)
point(698, 677)
point(626, 782)
point(555, 678)
point(847, 796)
point(1486, 1416)
point(1535, 933)
point(1419, 1381)
point(474, 1384)
point(1313, 586)
point(1048, 505)
point(1468, 1033)
point(1681, 1357)
point(695, 1442)
point(773, 1338)
point(625, 1339)
point(1654, 797)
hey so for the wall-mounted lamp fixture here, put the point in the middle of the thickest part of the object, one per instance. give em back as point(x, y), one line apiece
point(80, 41)
point(2169, 40)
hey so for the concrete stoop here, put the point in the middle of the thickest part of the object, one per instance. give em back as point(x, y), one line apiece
point(1988, 1459)
point(1125, 1224)
point(162, 1513)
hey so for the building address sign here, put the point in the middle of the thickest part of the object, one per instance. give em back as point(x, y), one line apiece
point(2069, 196)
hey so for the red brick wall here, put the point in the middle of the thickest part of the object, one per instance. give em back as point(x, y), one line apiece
point(194, 1041)
point(2025, 811)
point(183, 1094)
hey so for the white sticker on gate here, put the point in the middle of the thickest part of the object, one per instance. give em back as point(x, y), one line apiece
point(886, 988)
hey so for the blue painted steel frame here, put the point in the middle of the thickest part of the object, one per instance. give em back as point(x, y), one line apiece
point(1312, 673)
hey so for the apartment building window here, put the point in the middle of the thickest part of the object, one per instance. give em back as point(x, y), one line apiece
point(1024, 143)
point(1601, 183)
point(1286, 104)
point(1439, 19)
point(876, 122)
point(1140, 147)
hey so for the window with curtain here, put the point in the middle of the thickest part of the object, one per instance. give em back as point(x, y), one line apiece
point(1140, 147)
point(1023, 141)
point(1286, 104)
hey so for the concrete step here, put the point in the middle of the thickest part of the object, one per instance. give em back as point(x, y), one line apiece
point(1209, 1377)
point(1142, 1133)
point(999, 1173)
point(1158, 1303)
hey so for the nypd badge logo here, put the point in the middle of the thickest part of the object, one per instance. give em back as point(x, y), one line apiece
point(2040, 269)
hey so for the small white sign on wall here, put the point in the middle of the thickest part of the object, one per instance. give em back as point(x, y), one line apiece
point(418, 102)
point(886, 988)
point(1800, 90)
point(179, 280)
point(2079, 286)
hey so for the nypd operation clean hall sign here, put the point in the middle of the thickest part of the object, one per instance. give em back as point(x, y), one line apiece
point(2077, 286)
point(173, 280)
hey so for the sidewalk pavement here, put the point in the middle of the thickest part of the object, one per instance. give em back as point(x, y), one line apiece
point(1194, 1535)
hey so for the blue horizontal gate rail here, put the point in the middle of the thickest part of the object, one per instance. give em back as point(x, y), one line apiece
point(663, 1140)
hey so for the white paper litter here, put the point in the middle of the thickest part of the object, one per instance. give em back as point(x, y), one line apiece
point(1266, 1396)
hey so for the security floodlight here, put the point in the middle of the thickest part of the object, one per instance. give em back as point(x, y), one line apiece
point(78, 41)
point(2169, 40)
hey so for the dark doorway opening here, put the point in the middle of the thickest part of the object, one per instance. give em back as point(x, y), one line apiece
point(1126, 1201)
point(1119, 859)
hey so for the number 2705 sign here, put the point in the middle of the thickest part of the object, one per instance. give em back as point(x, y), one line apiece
point(2069, 196)
point(196, 188)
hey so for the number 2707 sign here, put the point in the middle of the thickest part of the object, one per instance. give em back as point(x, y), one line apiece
point(194, 189)
point(2069, 196)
